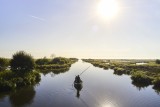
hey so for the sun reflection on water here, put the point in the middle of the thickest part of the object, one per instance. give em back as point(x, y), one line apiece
point(108, 105)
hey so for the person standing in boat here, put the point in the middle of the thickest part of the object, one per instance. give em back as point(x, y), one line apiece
point(77, 79)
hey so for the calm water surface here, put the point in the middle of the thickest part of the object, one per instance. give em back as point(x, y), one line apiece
point(101, 88)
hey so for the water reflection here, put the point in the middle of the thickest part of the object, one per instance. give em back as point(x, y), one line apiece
point(22, 97)
point(157, 90)
point(140, 85)
point(78, 87)
point(56, 71)
point(141, 63)
point(100, 89)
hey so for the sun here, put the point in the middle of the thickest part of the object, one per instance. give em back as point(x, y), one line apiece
point(108, 8)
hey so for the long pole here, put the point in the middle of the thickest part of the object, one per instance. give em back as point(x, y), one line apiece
point(84, 70)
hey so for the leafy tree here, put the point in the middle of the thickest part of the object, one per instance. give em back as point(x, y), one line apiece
point(22, 62)
point(4, 63)
point(157, 61)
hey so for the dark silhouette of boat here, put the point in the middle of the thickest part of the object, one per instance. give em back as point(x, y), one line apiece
point(78, 86)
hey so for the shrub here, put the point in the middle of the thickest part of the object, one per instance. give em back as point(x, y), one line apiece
point(60, 60)
point(157, 61)
point(11, 80)
point(156, 82)
point(22, 62)
point(141, 77)
point(119, 71)
point(6, 85)
point(43, 61)
point(4, 63)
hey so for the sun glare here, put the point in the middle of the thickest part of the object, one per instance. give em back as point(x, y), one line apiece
point(108, 8)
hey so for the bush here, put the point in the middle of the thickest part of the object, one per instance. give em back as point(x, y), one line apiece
point(157, 61)
point(6, 85)
point(141, 77)
point(43, 61)
point(22, 62)
point(156, 82)
point(11, 80)
point(60, 60)
point(119, 71)
point(4, 63)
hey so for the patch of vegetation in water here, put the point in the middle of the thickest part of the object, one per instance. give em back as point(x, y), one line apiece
point(55, 71)
point(10, 80)
point(24, 69)
point(21, 73)
point(120, 71)
point(141, 75)
point(56, 64)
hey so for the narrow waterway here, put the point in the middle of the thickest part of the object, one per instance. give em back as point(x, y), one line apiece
point(101, 88)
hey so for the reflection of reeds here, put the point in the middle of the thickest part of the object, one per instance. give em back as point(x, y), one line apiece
point(52, 67)
point(55, 71)
point(59, 65)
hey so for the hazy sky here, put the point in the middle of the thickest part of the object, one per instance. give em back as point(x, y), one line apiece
point(73, 28)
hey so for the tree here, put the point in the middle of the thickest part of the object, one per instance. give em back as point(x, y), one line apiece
point(4, 63)
point(22, 62)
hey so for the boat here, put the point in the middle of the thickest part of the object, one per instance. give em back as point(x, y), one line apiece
point(78, 85)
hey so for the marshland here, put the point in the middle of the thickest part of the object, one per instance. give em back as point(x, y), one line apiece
point(48, 82)
point(79, 53)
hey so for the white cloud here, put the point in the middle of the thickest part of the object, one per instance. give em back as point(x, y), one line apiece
point(38, 18)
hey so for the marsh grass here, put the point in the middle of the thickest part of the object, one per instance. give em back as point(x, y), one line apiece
point(141, 75)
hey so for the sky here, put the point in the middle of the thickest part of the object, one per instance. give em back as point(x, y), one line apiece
point(74, 28)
